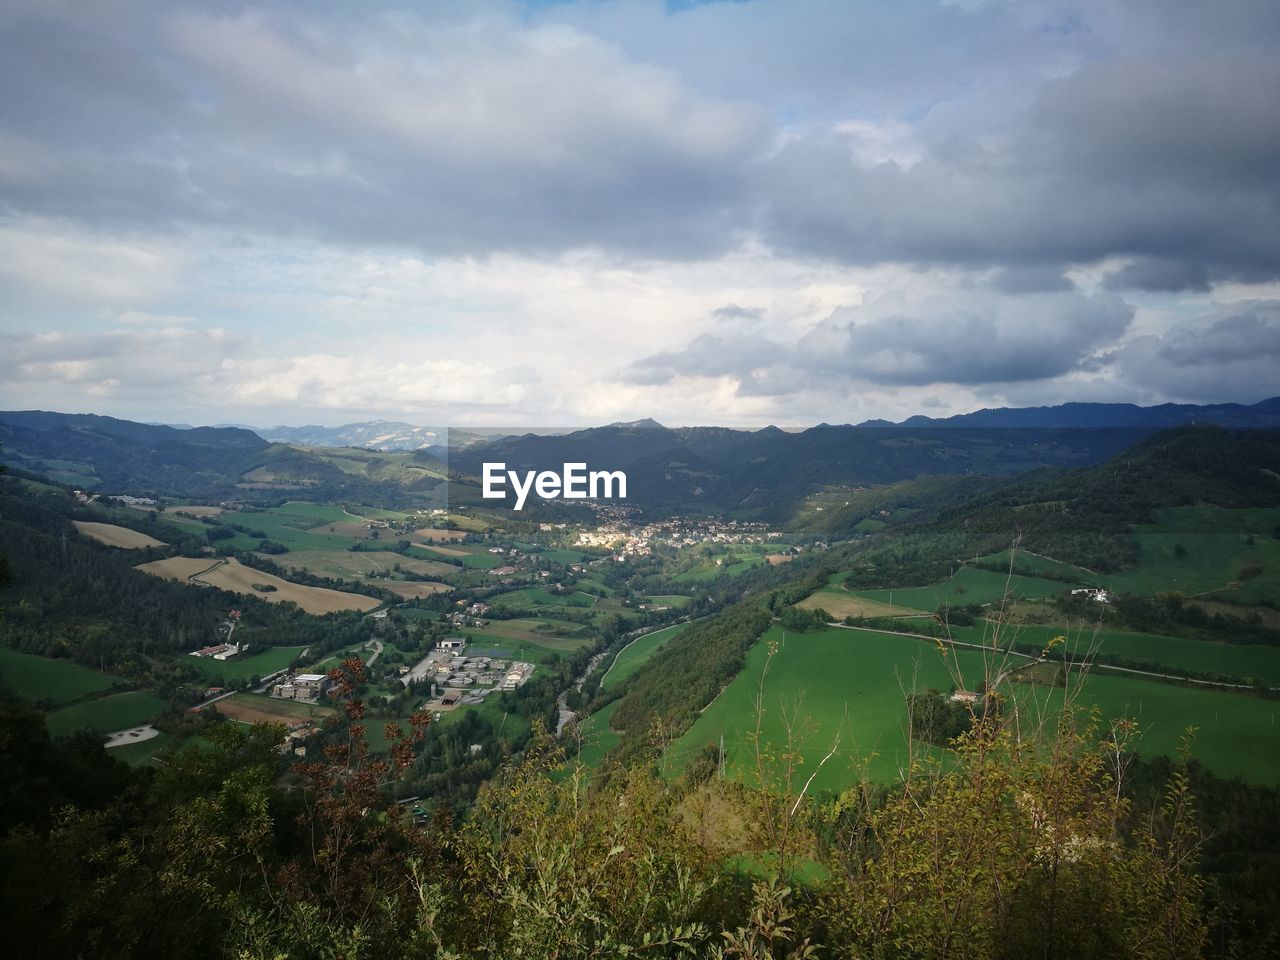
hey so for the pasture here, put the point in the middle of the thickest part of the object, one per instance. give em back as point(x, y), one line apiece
point(106, 714)
point(414, 589)
point(634, 655)
point(968, 585)
point(595, 738)
point(220, 672)
point(114, 536)
point(1203, 550)
point(1173, 654)
point(260, 708)
point(841, 603)
point(438, 534)
point(235, 577)
point(178, 568)
point(845, 682)
point(853, 682)
point(358, 564)
point(39, 679)
point(532, 597)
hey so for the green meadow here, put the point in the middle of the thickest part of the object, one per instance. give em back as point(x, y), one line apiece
point(115, 711)
point(244, 668)
point(35, 678)
point(1206, 550)
point(633, 656)
point(853, 683)
point(968, 585)
point(1174, 654)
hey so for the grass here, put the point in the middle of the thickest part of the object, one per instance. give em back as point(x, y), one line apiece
point(1215, 550)
point(852, 682)
point(115, 711)
point(846, 682)
point(677, 601)
point(841, 603)
point(537, 597)
point(565, 557)
point(35, 678)
point(1039, 566)
point(597, 738)
point(633, 656)
point(1235, 734)
point(968, 585)
point(243, 668)
point(1175, 654)
point(136, 754)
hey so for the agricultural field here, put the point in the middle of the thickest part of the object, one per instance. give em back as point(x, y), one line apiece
point(1172, 654)
point(262, 664)
point(840, 603)
point(37, 679)
point(106, 714)
point(853, 682)
point(143, 752)
point(595, 736)
point(178, 568)
point(565, 557)
point(234, 576)
point(848, 682)
point(1206, 551)
point(531, 597)
point(359, 564)
point(414, 589)
point(438, 534)
point(633, 656)
point(528, 646)
point(199, 511)
point(259, 708)
point(968, 585)
point(114, 536)
point(677, 601)
point(1235, 733)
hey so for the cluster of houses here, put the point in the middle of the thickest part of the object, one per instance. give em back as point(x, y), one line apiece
point(1092, 593)
point(463, 679)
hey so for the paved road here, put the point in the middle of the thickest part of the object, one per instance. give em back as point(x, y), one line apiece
point(132, 735)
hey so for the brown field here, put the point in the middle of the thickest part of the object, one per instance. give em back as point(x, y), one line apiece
point(840, 604)
point(447, 551)
point(412, 589)
point(194, 510)
point(236, 577)
point(361, 563)
point(177, 568)
point(773, 559)
point(436, 534)
point(254, 708)
point(114, 536)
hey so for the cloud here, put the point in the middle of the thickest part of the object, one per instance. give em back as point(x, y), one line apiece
point(962, 337)
point(1231, 354)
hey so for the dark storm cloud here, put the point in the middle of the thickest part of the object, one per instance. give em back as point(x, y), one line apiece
point(1229, 355)
point(1034, 137)
point(1170, 163)
point(962, 337)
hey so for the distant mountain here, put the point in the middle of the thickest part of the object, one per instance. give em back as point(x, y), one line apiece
point(373, 435)
point(120, 456)
point(769, 472)
point(1264, 415)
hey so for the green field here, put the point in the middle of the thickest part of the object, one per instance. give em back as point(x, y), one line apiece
point(136, 754)
point(243, 668)
point(633, 656)
point(115, 711)
point(847, 682)
point(1039, 566)
point(531, 597)
point(565, 557)
point(35, 678)
point(969, 585)
point(1176, 654)
point(597, 738)
point(1214, 552)
point(676, 601)
point(1235, 733)
point(853, 682)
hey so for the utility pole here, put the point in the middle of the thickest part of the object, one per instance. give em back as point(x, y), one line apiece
point(722, 756)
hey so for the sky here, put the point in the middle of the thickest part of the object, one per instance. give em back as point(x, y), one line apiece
point(569, 213)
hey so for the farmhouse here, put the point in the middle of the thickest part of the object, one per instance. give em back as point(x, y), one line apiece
point(1093, 593)
point(220, 651)
point(452, 643)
